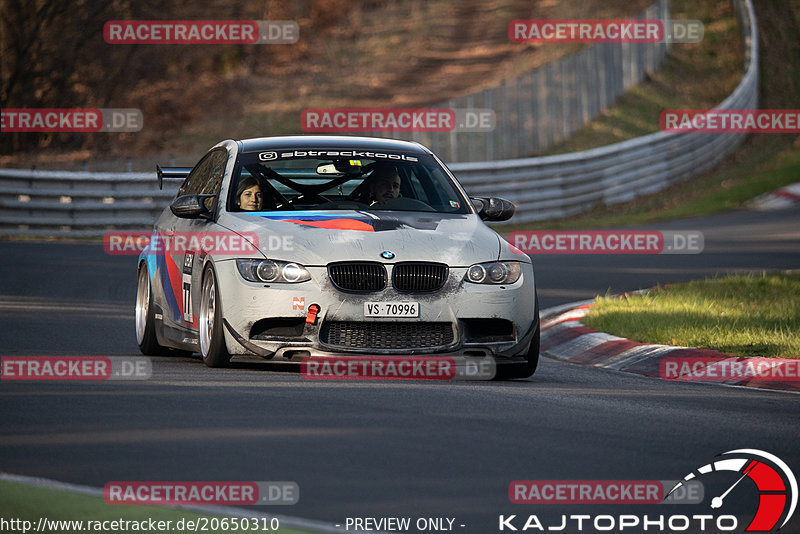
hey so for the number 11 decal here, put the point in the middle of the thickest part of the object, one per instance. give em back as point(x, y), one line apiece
point(188, 261)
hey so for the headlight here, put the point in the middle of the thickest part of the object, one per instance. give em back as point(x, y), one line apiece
point(272, 271)
point(268, 271)
point(496, 272)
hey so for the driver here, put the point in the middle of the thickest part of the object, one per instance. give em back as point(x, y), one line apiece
point(383, 184)
point(249, 195)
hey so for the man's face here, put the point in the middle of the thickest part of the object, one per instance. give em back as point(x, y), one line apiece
point(250, 199)
point(385, 188)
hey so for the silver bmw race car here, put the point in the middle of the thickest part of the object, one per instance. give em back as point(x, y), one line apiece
point(300, 246)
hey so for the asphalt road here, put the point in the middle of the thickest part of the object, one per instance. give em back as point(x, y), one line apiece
point(380, 449)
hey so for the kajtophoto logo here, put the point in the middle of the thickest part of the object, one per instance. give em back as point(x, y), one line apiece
point(775, 483)
point(738, 482)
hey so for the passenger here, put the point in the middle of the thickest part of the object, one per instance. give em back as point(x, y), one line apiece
point(249, 195)
point(383, 184)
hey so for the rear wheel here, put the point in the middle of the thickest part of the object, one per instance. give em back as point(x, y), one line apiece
point(212, 337)
point(145, 317)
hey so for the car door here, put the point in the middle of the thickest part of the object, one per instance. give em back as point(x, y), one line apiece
point(185, 259)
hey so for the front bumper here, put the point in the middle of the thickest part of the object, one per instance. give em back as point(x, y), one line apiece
point(460, 319)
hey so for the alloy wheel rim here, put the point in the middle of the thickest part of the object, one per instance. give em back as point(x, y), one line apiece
point(142, 305)
point(207, 312)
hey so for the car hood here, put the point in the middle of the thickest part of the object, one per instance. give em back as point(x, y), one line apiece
point(321, 237)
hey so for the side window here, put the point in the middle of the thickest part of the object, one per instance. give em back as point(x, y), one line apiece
point(206, 177)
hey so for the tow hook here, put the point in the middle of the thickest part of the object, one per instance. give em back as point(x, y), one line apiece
point(313, 310)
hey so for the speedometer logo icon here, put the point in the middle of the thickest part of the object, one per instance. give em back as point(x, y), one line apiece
point(776, 484)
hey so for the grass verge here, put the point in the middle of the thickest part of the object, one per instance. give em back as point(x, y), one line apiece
point(741, 315)
point(30, 503)
point(693, 76)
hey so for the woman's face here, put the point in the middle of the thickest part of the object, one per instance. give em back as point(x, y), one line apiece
point(251, 198)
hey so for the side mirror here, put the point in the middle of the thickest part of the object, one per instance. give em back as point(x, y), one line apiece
point(495, 209)
point(191, 207)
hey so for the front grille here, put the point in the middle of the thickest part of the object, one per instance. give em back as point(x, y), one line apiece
point(386, 335)
point(358, 276)
point(419, 276)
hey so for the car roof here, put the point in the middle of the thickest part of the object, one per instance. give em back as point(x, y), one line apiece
point(330, 142)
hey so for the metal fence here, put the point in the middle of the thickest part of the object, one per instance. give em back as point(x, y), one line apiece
point(78, 203)
point(547, 105)
point(562, 185)
point(82, 203)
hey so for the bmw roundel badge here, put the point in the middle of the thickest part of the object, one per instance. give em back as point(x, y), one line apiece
point(387, 255)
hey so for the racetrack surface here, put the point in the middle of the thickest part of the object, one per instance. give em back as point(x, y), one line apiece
point(410, 449)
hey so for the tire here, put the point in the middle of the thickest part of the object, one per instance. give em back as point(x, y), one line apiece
point(212, 337)
point(525, 370)
point(532, 356)
point(145, 317)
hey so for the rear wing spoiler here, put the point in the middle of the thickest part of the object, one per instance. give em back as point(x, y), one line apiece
point(171, 173)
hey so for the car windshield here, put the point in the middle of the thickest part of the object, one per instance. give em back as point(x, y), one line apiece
point(408, 183)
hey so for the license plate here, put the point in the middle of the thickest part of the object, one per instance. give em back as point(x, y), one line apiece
point(391, 309)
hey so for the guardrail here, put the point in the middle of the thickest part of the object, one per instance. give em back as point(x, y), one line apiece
point(562, 185)
point(78, 203)
point(82, 203)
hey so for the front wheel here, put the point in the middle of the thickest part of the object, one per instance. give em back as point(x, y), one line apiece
point(532, 356)
point(525, 370)
point(212, 337)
